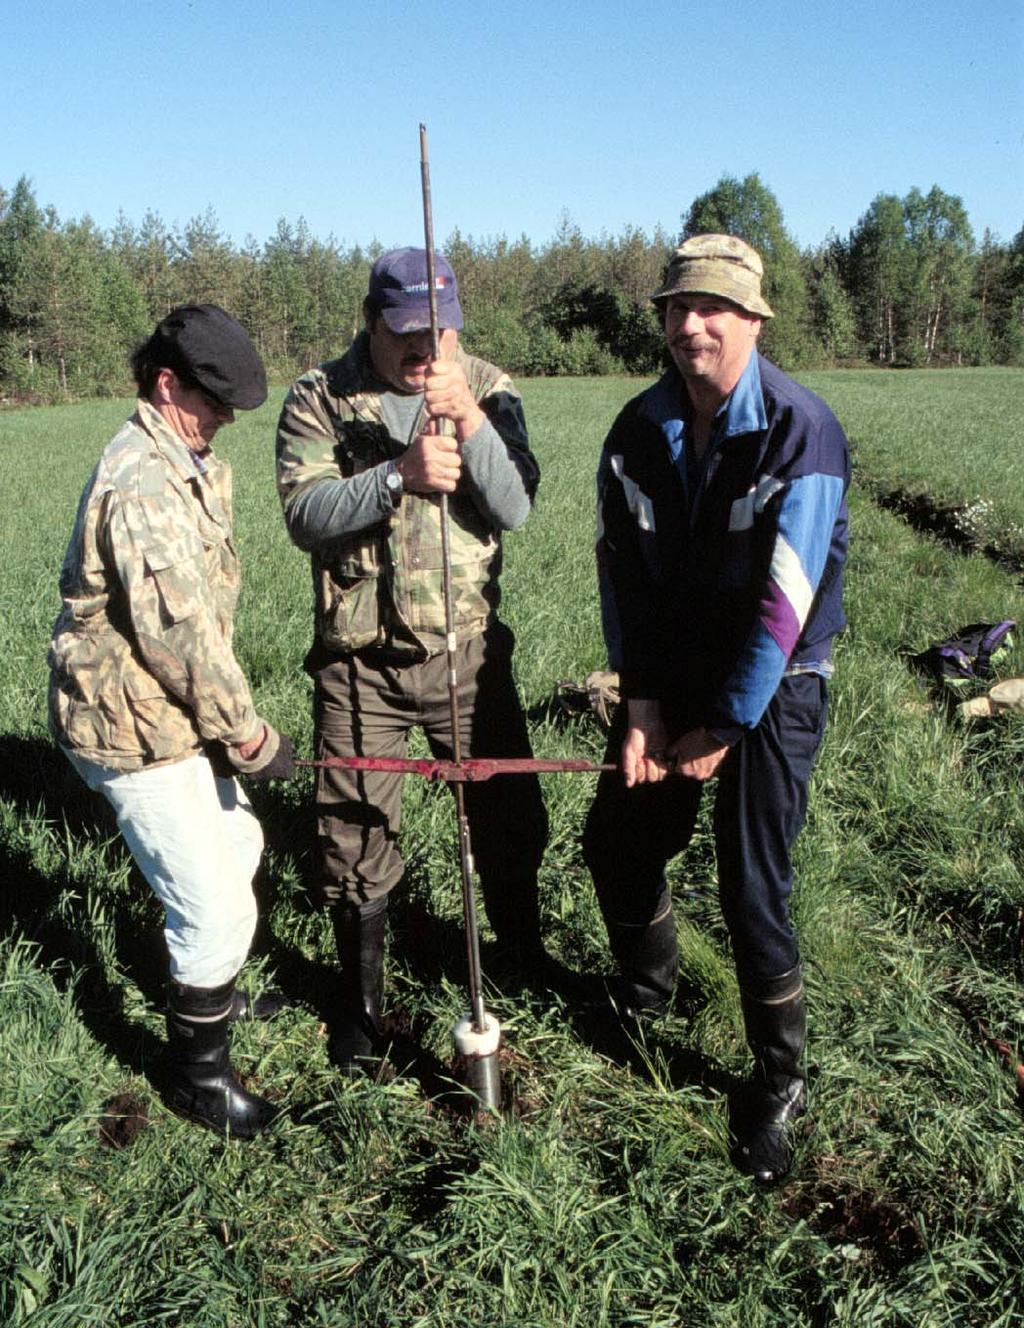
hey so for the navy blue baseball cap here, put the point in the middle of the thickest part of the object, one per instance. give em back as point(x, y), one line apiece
point(399, 290)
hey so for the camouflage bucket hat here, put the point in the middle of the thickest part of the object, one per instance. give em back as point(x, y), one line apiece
point(717, 265)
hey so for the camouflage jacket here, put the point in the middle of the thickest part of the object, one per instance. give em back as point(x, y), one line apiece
point(142, 667)
point(377, 563)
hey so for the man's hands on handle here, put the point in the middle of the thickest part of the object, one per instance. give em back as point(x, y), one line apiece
point(643, 750)
point(448, 397)
point(697, 754)
point(647, 756)
point(432, 463)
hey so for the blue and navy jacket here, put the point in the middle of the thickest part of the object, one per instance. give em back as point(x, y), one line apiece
point(719, 578)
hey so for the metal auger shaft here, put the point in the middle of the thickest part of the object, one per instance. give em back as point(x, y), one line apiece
point(477, 1036)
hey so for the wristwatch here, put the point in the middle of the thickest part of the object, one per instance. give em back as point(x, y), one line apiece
point(393, 482)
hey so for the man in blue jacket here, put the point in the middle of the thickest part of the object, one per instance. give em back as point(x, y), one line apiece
point(722, 532)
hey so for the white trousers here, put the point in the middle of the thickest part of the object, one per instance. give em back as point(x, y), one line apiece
point(196, 839)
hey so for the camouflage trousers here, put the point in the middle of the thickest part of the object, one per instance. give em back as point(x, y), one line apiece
point(366, 705)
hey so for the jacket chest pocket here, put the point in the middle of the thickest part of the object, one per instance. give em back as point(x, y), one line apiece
point(349, 599)
point(180, 572)
point(220, 555)
point(192, 574)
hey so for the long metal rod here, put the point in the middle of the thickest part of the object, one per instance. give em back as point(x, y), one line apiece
point(476, 997)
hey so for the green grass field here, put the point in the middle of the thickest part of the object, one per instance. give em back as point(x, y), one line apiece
point(604, 1196)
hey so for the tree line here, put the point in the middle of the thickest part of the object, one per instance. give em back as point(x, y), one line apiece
point(909, 286)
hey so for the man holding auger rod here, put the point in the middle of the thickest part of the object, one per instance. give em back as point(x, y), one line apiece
point(360, 473)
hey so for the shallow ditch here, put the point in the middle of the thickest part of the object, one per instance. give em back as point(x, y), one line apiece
point(944, 521)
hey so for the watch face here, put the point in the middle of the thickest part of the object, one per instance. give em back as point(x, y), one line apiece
point(393, 480)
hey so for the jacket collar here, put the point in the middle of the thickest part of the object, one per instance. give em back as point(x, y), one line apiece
point(667, 406)
point(186, 463)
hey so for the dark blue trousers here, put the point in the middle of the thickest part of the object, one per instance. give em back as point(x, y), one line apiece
point(760, 797)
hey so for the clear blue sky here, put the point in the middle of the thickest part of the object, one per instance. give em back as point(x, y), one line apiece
point(616, 113)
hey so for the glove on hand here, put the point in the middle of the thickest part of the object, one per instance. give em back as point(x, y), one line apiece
point(603, 694)
point(274, 759)
point(599, 694)
point(281, 765)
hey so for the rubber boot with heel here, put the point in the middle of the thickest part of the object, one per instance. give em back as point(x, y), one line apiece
point(648, 959)
point(201, 1083)
point(356, 1035)
point(767, 1107)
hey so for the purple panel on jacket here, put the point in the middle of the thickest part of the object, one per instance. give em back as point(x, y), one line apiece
point(780, 618)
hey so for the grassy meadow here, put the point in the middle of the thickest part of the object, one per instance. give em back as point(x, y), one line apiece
point(604, 1196)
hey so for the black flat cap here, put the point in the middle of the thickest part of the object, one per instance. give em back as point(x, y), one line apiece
point(207, 344)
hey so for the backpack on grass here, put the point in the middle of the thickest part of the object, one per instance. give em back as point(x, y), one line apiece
point(967, 655)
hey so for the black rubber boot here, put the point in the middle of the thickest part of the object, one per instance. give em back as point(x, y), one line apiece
point(765, 1109)
point(648, 958)
point(266, 1005)
point(357, 1034)
point(200, 1081)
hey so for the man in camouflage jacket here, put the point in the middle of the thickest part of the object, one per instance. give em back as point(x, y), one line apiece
point(145, 688)
point(360, 470)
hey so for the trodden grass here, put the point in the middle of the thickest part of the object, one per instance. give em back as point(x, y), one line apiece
point(604, 1195)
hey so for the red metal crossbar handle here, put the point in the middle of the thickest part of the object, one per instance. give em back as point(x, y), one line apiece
point(471, 770)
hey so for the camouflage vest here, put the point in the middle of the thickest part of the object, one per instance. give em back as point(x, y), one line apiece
point(383, 586)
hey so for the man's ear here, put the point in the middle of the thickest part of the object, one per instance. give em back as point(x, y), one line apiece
point(165, 387)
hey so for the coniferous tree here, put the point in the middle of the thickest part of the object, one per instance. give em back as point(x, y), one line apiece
point(907, 287)
point(21, 224)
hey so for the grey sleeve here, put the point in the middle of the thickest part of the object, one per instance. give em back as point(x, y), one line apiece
point(502, 470)
point(332, 508)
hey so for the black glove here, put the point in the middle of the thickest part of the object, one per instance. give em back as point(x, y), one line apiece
point(279, 763)
point(273, 759)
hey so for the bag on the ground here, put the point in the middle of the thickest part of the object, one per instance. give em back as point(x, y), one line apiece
point(968, 654)
point(598, 695)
